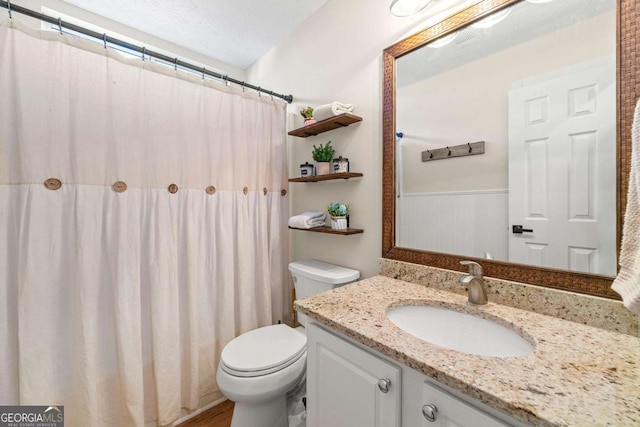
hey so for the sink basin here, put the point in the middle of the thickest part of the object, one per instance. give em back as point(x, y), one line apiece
point(460, 331)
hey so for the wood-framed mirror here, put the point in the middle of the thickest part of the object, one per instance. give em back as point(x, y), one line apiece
point(625, 66)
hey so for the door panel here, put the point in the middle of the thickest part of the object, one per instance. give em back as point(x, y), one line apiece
point(562, 169)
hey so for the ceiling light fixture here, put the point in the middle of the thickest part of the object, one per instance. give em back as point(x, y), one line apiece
point(406, 8)
point(492, 19)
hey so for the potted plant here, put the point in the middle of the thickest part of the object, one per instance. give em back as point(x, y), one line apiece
point(307, 113)
point(338, 213)
point(323, 155)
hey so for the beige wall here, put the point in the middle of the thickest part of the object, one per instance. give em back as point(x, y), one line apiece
point(470, 103)
point(336, 55)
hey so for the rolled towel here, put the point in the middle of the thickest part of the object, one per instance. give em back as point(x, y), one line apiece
point(323, 112)
point(307, 220)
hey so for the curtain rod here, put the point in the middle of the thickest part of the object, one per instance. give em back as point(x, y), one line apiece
point(142, 50)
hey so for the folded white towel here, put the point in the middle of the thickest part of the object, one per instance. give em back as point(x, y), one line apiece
point(323, 112)
point(307, 220)
point(627, 284)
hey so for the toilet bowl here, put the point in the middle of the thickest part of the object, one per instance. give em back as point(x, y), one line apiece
point(259, 368)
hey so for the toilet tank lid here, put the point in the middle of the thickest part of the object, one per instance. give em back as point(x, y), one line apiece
point(323, 272)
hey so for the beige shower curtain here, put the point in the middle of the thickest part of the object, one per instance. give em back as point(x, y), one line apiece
point(117, 304)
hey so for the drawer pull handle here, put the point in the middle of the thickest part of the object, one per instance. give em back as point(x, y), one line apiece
point(384, 384)
point(430, 412)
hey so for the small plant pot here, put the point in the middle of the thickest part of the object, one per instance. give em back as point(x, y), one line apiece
point(323, 168)
point(338, 222)
point(309, 121)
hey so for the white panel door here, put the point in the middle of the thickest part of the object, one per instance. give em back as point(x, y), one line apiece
point(562, 185)
point(343, 384)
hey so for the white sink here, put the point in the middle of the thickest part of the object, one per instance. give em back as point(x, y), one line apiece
point(460, 331)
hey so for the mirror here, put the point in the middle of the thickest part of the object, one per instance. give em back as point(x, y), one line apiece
point(535, 82)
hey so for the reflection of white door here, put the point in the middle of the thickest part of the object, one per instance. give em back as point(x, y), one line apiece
point(562, 170)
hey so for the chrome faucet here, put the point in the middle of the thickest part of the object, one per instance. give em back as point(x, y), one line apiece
point(475, 283)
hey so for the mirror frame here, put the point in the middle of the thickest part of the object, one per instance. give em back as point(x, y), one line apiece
point(628, 90)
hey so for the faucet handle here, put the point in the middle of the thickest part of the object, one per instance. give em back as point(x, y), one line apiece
point(475, 269)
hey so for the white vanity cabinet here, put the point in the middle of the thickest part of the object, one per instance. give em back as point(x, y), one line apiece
point(349, 385)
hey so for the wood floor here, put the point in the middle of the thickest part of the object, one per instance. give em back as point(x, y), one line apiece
point(218, 416)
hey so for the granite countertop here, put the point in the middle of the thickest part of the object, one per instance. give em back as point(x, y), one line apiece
point(578, 375)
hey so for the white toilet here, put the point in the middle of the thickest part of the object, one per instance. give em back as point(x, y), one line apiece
point(258, 368)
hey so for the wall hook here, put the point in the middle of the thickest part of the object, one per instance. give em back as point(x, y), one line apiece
point(400, 135)
point(469, 145)
point(449, 151)
point(430, 154)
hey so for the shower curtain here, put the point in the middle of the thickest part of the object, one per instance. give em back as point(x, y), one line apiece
point(116, 304)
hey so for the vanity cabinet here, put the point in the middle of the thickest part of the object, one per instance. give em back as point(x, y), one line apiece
point(349, 385)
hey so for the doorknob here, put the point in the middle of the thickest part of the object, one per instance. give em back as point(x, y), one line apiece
point(517, 229)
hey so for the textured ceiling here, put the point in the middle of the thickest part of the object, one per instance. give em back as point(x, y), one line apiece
point(236, 32)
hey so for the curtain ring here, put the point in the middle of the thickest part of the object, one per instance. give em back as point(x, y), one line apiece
point(175, 64)
point(469, 144)
point(242, 87)
point(271, 95)
point(60, 25)
point(203, 70)
point(259, 92)
point(104, 39)
point(9, 9)
point(144, 52)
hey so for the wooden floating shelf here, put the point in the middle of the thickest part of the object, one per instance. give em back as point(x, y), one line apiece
point(328, 177)
point(335, 122)
point(329, 230)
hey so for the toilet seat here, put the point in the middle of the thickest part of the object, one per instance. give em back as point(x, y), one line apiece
point(263, 351)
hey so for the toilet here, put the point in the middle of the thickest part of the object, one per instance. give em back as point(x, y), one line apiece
point(259, 368)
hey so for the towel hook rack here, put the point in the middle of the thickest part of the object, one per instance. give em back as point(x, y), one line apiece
point(449, 152)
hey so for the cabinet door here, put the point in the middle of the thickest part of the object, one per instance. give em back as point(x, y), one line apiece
point(452, 411)
point(343, 387)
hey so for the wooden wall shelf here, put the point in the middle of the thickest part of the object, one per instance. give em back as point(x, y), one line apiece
point(335, 122)
point(329, 230)
point(328, 177)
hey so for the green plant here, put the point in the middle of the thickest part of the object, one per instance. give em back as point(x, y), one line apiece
point(337, 209)
point(307, 113)
point(323, 153)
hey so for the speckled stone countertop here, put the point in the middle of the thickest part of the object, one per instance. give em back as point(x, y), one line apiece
point(578, 375)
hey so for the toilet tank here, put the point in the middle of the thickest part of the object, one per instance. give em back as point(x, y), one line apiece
point(311, 277)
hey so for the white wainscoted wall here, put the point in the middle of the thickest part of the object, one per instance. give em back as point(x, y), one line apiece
point(461, 222)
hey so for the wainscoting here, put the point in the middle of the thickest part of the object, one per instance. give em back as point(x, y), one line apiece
point(465, 223)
